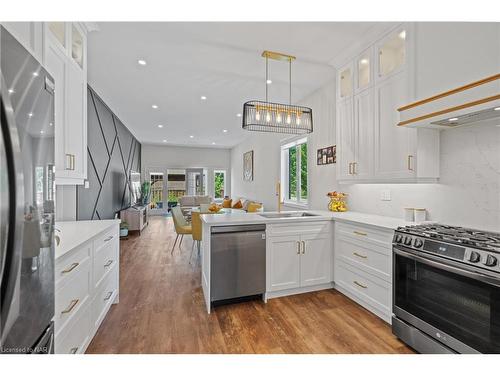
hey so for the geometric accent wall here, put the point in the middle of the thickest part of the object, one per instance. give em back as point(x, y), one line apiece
point(113, 152)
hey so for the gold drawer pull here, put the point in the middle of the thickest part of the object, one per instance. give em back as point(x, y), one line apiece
point(360, 256)
point(71, 306)
point(298, 247)
point(108, 239)
point(71, 268)
point(108, 296)
point(108, 263)
point(360, 285)
point(303, 247)
point(73, 350)
point(359, 233)
point(409, 162)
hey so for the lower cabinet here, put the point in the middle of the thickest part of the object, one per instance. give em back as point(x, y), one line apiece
point(87, 282)
point(363, 266)
point(298, 257)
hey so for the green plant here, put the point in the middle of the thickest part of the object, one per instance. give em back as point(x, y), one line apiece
point(123, 225)
point(145, 192)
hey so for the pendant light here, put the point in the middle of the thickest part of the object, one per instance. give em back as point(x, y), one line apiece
point(265, 116)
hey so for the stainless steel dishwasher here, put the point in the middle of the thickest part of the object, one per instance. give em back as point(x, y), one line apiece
point(238, 262)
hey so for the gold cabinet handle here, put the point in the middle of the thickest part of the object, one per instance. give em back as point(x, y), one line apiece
point(108, 239)
point(354, 167)
point(108, 263)
point(73, 350)
point(70, 268)
point(359, 255)
point(410, 157)
point(359, 233)
point(303, 247)
point(298, 247)
point(350, 165)
point(71, 306)
point(108, 296)
point(360, 285)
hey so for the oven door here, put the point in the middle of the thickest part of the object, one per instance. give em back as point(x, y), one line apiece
point(453, 303)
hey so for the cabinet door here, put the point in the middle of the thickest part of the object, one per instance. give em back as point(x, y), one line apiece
point(345, 139)
point(394, 154)
point(392, 53)
point(364, 74)
point(284, 263)
point(76, 124)
point(364, 119)
point(346, 81)
point(315, 260)
point(55, 63)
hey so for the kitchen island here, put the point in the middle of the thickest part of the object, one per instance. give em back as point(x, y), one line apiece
point(300, 250)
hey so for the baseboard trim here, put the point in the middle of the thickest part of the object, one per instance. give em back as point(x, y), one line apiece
point(290, 292)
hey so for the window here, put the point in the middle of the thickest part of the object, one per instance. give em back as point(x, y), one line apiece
point(294, 171)
point(156, 179)
point(219, 183)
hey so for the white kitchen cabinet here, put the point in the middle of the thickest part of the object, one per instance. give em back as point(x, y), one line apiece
point(346, 81)
point(298, 257)
point(29, 34)
point(371, 147)
point(66, 44)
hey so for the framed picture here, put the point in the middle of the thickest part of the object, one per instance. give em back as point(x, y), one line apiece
point(327, 155)
point(248, 166)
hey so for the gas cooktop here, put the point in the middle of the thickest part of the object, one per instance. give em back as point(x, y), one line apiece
point(475, 247)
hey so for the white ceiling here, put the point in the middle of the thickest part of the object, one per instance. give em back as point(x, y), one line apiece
point(221, 61)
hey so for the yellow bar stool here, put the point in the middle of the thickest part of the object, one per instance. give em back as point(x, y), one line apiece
point(181, 226)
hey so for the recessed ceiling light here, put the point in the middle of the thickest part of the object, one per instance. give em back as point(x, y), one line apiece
point(154, 106)
point(213, 143)
point(496, 109)
point(269, 81)
point(453, 119)
point(238, 115)
point(164, 141)
point(41, 132)
point(35, 74)
point(51, 124)
point(30, 114)
point(11, 91)
point(402, 34)
point(191, 136)
point(203, 97)
point(224, 131)
point(141, 62)
point(160, 126)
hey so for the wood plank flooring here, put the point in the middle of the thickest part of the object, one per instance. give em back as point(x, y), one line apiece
point(161, 310)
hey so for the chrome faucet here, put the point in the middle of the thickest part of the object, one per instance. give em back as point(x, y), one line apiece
point(56, 237)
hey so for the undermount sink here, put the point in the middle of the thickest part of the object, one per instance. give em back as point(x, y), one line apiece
point(277, 215)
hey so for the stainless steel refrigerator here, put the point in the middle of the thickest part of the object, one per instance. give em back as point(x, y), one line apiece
point(27, 197)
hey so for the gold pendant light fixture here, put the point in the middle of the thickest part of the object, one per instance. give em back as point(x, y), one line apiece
point(265, 116)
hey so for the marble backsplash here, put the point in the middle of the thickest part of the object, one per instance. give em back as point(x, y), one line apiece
point(468, 193)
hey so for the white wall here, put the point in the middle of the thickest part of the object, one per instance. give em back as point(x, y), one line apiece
point(162, 158)
point(266, 147)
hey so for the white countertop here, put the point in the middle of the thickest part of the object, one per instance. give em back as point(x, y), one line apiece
point(74, 233)
point(355, 217)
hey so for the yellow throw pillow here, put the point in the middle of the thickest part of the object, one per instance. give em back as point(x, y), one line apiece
point(226, 203)
point(238, 204)
point(254, 207)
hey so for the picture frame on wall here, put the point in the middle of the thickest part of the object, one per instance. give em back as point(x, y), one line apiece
point(326, 155)
point(248, 166)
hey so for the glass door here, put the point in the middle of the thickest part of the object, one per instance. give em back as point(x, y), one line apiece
point(460, 306)
point(157, 188)
point(195, 178)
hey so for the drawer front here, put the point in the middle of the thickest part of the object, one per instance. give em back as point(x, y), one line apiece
point(375, 293)
point(71, 296)
point(105, 259)
point(70, 263)
point(373, 259)
point(104, 297)
point(106, 237)
point(379, 237)
point(277, 230)
point(74, 338)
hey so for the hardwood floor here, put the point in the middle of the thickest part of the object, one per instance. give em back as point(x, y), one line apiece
point(161, 310)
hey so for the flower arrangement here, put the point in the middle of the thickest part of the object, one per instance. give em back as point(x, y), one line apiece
point(337, 201)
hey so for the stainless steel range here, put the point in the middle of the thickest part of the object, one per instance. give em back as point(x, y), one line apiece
point(446, 289)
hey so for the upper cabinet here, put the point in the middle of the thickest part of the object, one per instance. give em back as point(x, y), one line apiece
point(65, 59)
point(371, 147)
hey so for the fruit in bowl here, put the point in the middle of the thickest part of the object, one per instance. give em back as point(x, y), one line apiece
point(214, 208)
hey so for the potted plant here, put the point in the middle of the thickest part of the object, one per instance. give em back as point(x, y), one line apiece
point(146, 193)
point(123, 229)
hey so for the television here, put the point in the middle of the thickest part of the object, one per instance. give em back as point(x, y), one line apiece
point(135, 188)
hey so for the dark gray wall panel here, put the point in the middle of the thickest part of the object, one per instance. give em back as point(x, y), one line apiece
point(112, 153)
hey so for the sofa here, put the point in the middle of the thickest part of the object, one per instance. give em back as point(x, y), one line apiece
point(188, 202)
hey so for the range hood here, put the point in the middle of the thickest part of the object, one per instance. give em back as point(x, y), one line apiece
point(476, 102)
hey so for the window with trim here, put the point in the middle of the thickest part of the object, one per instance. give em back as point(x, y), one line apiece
point(219, 183)
point(294, 172)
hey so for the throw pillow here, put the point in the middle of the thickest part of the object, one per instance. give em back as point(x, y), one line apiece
point(254, 207)
point(238, 204)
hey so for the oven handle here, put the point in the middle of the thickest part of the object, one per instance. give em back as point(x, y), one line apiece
point(459, 271)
